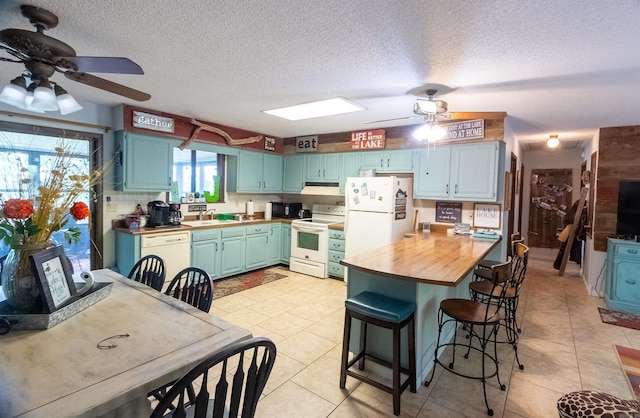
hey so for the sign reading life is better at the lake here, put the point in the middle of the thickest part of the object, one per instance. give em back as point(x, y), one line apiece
point(468, 129)
point(368, 139)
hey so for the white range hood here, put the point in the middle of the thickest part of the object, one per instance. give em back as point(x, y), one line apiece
point(321, 188)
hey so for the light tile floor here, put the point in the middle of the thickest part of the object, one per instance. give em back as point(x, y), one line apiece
point(564, 346)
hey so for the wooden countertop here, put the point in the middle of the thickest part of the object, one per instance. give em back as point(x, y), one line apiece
point(433, 257)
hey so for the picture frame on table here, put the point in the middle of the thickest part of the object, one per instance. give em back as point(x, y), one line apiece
point(486, 215)
point(53, 271)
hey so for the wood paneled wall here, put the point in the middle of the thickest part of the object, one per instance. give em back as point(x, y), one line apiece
point(399, 137)
point(618, 159)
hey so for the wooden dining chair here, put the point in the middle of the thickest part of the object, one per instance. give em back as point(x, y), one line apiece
point(242, 371)
point(149, 270)
point(193, 286)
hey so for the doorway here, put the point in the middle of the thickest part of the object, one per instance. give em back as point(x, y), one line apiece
point(551, 194)
point(29, 148)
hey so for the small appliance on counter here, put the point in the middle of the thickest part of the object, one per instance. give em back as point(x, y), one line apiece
point(158, 213)
point(285, 210)
point(175, 216)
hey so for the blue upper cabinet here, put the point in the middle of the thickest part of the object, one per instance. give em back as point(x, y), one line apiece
point(254, 172)
point(293, 179)
point(350, 167)
point(143, 163)
point(323, 167)
point(388, 161)
point(431, 180)
point(460, 172)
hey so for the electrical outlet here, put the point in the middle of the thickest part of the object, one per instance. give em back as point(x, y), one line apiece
point(112, 207)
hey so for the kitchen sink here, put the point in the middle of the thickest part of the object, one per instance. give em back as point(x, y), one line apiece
point(206, 222)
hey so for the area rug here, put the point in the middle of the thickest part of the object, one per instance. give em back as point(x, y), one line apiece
point(619, 318)
point(234, 284)
point(630, 363)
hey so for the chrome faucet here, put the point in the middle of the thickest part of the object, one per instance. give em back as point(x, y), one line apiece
point(211, 215)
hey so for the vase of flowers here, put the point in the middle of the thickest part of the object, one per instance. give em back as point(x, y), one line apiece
point(44, 205)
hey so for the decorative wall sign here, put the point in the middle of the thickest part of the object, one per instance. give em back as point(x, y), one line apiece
point(307, 143)
point(486, 215)
point(448, 212)
point(269, 143)
point(364, 140)
point(468, 129)
point(153, 122)
point(54, 274)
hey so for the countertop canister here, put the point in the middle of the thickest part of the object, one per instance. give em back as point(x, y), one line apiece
point(267, 211)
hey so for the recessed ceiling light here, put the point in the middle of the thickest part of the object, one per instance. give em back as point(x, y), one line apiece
point(317, 109)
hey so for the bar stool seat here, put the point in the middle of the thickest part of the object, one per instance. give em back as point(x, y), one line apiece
point(382, 311)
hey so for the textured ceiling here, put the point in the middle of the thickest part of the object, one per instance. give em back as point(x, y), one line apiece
point(555, 66)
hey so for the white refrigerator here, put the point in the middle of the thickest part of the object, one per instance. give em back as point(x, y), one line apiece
point(379, 212)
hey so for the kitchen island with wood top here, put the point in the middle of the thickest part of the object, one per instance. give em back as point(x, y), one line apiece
point(423, 269)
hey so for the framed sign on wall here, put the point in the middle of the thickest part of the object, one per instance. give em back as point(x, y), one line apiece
point(486, 215)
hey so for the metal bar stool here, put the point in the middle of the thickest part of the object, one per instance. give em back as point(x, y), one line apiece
point(482, 321)
point(480, 290)
point(385, 312)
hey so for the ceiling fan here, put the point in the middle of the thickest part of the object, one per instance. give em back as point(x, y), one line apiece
point(43, 56)
point(427, 109)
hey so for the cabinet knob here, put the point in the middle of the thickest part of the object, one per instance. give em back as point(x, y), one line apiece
point(632, 251)
point(630, 281)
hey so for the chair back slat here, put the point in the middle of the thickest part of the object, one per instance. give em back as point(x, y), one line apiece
point(193, 286)
point(149, 270)
point(246, 385)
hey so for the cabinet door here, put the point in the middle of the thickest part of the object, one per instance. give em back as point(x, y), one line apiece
point(272, 173)
point(372, 160)
point(293, 177)
point(206, 255)
point(232, 256)
point(350, 167)
point(398, 161)
point(626, 278)
point(286, 243)
point(256, 251)
point(249, 171)
point(432, 174)
point(275, 244)
point(332, 167)
point(314, 164)
point(146, 163)
point(474, 171)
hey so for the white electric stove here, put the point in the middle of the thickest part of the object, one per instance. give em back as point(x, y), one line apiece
point(310, 240)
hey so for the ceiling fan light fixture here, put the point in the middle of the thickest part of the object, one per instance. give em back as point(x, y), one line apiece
point(15, 92)
point(43, 97)
point(553, 141)
point(29, 99)
point(66, 102)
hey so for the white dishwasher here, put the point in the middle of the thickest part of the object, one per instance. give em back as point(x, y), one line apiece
point(173, 247)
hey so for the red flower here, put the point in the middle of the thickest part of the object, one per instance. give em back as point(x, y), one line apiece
point(17, 209)
point(79, 211)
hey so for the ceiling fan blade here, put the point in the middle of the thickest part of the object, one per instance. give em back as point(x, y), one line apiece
point(107, 85)
point(117, 65)
point(389, 120)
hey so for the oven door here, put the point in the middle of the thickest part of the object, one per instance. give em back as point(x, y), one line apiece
point(309, 243)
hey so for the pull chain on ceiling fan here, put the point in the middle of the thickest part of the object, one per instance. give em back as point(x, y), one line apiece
point(43, 56)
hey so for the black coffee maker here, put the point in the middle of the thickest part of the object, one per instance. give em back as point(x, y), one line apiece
point(158, 214)
point(174, 214)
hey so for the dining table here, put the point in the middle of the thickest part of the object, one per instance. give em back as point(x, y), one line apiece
point(105, 359)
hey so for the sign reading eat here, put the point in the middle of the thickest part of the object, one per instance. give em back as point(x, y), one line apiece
point(368, 139)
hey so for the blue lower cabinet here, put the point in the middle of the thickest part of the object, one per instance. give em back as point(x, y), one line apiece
point(232, 246)
point(205, 251)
